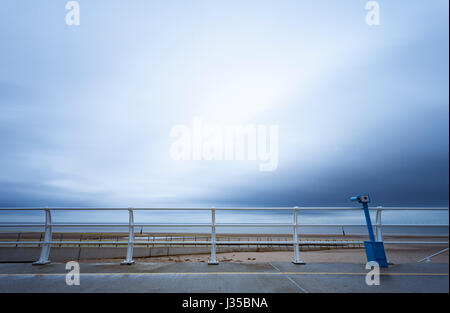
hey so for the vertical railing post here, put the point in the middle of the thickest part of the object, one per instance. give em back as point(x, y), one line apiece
point(129, 259)
point(297, 259)
point(379, 236)
point(213, 260)
point(379, 228)
point(45, 250)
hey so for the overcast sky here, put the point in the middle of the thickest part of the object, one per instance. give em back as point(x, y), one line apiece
point(86, 111)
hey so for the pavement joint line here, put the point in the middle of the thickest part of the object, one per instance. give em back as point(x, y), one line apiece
point(221, 273)
point(291, 280)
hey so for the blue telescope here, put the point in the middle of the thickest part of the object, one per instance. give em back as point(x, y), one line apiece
point(374, 249)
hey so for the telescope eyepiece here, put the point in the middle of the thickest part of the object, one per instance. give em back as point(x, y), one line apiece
point(361, 199)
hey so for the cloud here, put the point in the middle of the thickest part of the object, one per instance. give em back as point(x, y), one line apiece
point(85, 115)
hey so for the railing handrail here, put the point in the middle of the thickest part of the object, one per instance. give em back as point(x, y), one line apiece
point(382, 208)
point(218, 225)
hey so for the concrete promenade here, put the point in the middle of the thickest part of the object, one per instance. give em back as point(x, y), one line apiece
point(271, 277)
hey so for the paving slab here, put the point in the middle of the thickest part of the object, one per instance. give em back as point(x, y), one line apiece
point(271, 277)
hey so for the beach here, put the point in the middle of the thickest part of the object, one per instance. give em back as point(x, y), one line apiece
point(396, 254)
point(318, 249)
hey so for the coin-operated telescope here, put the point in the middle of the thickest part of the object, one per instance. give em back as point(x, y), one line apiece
point(374, 249)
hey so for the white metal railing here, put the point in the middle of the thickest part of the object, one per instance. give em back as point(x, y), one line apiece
point(428, 258)
point(48, 225)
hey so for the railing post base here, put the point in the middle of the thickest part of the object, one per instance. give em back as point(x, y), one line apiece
point(298, 262)
point(211, 262)
point(41, 262)
point(127, 263)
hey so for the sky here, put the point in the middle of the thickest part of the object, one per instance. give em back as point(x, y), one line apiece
point(86, 111)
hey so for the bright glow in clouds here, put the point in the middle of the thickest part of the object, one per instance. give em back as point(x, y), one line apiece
point(228, 96)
